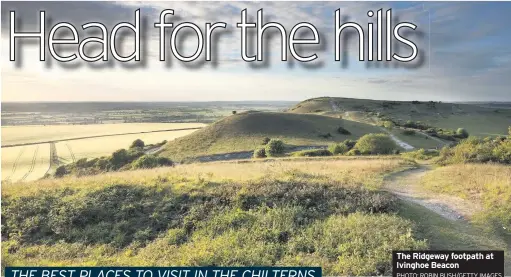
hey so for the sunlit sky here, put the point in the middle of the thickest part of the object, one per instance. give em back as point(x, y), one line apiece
point(465, 54)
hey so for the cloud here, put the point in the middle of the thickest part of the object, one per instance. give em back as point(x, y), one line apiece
point(465, 54)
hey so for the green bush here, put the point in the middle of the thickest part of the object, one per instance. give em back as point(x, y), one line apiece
point(266, 140)
point(374, 144)
point(408, 132)
point(260, 153)
point(163, 161)
point(421, 154)
point(146, 161)
point(338, 148)
point(462, 133)
point(60, 171)
point(349, 143)
point(341, 130)
point(275, 147)
point(312, 153)
point(150, 161)
point(477, 150)
point(353, 152)
point(388, 124)
point(138, 143)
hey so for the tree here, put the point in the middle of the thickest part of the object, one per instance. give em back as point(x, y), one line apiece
point(138, 143)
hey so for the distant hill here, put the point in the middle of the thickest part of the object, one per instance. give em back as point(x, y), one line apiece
point(478, 118)
point(246, 131)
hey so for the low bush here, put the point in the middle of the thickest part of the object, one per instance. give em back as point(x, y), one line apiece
point(388, 124)
point(341, 130)
point(138, 143)
point(312, 153)
point(408, 132)
point(421, 154)
point(353, 152)
point(462, 133)
point(151, 161)
point(265, 222)
point(274, 148)
point(338, 148)
point(265, 141)
point(260, 153)
point(374, 144)
point(477, 150)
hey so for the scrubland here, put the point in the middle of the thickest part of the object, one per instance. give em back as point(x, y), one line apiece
point(278, 212)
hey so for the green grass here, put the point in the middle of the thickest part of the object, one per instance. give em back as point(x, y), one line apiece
point(295, 213)
point(246, 131)
point(488, 185)
point(444, 234)
point(476, 119)
point(417, 140)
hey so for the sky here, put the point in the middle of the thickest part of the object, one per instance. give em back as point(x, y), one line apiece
point(464, 53)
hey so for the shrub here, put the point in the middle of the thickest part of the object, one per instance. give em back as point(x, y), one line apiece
point(462, 133)
point(421, 154)
point(353, 152)
point(162, 161)
point(376, 144)
point(119, 157)
point(60, 171)
point(350, 143)
point(388, 124)
point(81, 163)
point(151, 161)
point(343, 131)
point(266, 140)
point(338, 148)
point(146, 161)
point(312, 153)
point(234, 112)
point(408, 132)
point(260, 153)
point(476, 150)
point(138, 143)
point(275, 147)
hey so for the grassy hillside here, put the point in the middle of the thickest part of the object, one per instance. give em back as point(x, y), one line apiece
point(245, 131)
point(477, 119)
point(285, 213)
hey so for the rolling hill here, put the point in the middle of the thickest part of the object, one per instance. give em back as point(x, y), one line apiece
point(246, 131)
point(478, 118)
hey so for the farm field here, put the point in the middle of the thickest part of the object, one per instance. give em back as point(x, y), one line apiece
point(31, 162)
point(40, 133)
point(97, 147)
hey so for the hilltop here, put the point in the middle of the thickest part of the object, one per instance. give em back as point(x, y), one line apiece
point(246, 131)
point(472, 116)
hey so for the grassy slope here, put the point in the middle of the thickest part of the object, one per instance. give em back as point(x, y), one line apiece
point(300, 213)
point(486, 184)
point(245, 131)
point(444, 234)
point(476, 119)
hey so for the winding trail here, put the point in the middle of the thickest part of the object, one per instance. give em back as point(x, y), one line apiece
point(406, 186)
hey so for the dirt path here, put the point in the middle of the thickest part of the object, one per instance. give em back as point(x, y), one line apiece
point(406, 186)
point(399, 142)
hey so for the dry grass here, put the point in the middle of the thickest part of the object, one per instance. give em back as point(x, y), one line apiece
point(488, 185)
point(348, 171)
